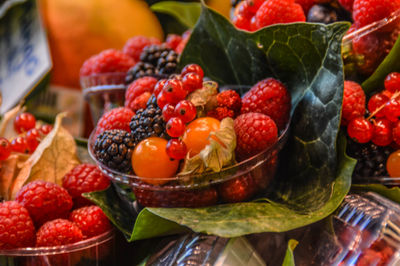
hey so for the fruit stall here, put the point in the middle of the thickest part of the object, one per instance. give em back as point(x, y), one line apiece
point(250, 132)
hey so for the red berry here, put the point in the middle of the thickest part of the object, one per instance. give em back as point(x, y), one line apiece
point(45, 129)
point(392, 110)
point(375, 102)
point(134, 46)
point(353, 102)
point(16, 226)
point(255, 132)
point(19, 144)
point(254, 5)
point(368, 11)
point(244, 9)
point(168, 112)
point(253, 24)
point(173, 91)
point(192, 82)
point(58, 232)
point(84, 178)
point(347, 4)
point(117, 118)
point(186, 111)
point(45, 201)
point(237, 189)
point(23, 122)
point(162, 100)
point(91, 220)
point(5, 149)
point(360, 129)
point(305, 4)
point(175, 127)
point(241, 22)
point(221, 113)
point(382, 135)
point(369, 49)
point(173, 40)
point(33, 139)
point(159, 86)
point(185, 39)
point(193, 68)
point(140, 102)
point(392, 82)
point(230, 99)
point(176, 149)
point(396, 132)
point(137, 88)
point(269, 97)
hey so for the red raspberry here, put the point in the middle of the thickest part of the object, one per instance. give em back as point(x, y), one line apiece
point(140, 102)
point(305, 4)
point(45, 201)
point(392, 82)
point(16, 226)
point(367, 11)
point(173, 40)
point(269, 97)
point(185, 38)
point(137, 88)
point(91, 220)
point(134, 46)
point(279, 11)
point(347, 4)
point(353, 102)
point(221, 113)
point(58, 232)
point(237, 189)
point(117, 118)
point(84, 178)
point(108, 61)
point(230, 99)
point(360, 129)
point(255, 132)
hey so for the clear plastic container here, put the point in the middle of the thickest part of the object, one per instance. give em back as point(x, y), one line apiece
point(96, 251)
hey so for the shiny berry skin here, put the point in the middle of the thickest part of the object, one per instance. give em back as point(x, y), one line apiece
point(173, 91)
point(393, 164)
point(152, 151)
point(237, 189)
point(91, 220)
point(392, 82)
point(159, 86)
point(19, 144)
point(396, 132)
point(243, 9)
point(254, 5)
point(193, 68)
point(16, 226)
point(33, 139)
point(173, 40)
point(241, 22)
point(5, 149)
point(186, 111)
point(168, 112)
point(192, 82)
point(176, 149)
point(392, 110)
point(377, 101)
point(58, 232)
point(382, 135)
point(175, 127)
point(45, 129)
point(360, 129)
point(23, 122)
point(162, 100)
point(117, 118)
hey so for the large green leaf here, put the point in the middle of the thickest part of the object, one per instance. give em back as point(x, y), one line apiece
point(186, 13)
point(390, 193)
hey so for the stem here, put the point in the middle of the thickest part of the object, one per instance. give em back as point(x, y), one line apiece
point(377, 110)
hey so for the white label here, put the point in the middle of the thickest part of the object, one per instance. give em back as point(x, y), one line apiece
point(24, 53)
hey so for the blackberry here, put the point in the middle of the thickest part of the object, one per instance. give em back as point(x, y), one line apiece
point(152, 53)
point(114, 149)
point(148, 122)
point(371, 160)
point(140, 70)
point(167, 63)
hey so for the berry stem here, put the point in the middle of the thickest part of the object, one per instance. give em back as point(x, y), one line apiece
point(377, 110)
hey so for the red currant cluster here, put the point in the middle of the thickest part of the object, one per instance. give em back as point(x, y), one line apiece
point(29, 139)
point(176, 110)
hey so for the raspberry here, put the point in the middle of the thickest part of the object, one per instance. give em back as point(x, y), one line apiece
point(279, 11)
point(255, 132)
point(237, 189)
point(117, 118)
point(353, 102)
point(16, 226)
point(84, 178)
point(91, 220)
point(360, 130)
point(367, 11)
point(230, 99)
point(108, 61)
point(173, 40)
point(392, 82)
point(347, 4)
point(269, 97)
point(305, 4)
point(137, 88)
point(185, 38)
point(45, 201)
point(221, 113)
point(134, 46)
point(140, 102)
point(58, 232)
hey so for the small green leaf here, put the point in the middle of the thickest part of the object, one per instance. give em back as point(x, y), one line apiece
point(289, 257)
point(185, 13)
point(390, 193)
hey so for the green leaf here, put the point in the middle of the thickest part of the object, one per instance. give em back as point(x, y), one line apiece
point(185, 13)
point(390, 193)
point(391, 63)
point(289, 257)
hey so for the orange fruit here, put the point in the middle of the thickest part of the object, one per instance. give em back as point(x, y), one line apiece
point(150, 161)
point(393, 164)
point(196, 136)
point(222, 6)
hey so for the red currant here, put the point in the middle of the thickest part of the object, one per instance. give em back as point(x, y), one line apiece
point(186, 111)
point(392, 82)
point(33, 138)
point(45, 129)
point(243, 9)
point(377, 101)
point(168, 112)
point(173, 40)
point(161, 100)
point(176, 149)
point(253, 24)
point(193, 68)
point(382, 132)
point(159, 86)
point(392, 110)
point(192, 82)
point(254, 5)
point(360, 129)
point(241, 22)
point(396, 132)
point(173, 91)
point(175, 127)
point(19, 144)
point(5, 149)
point(23, 122)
